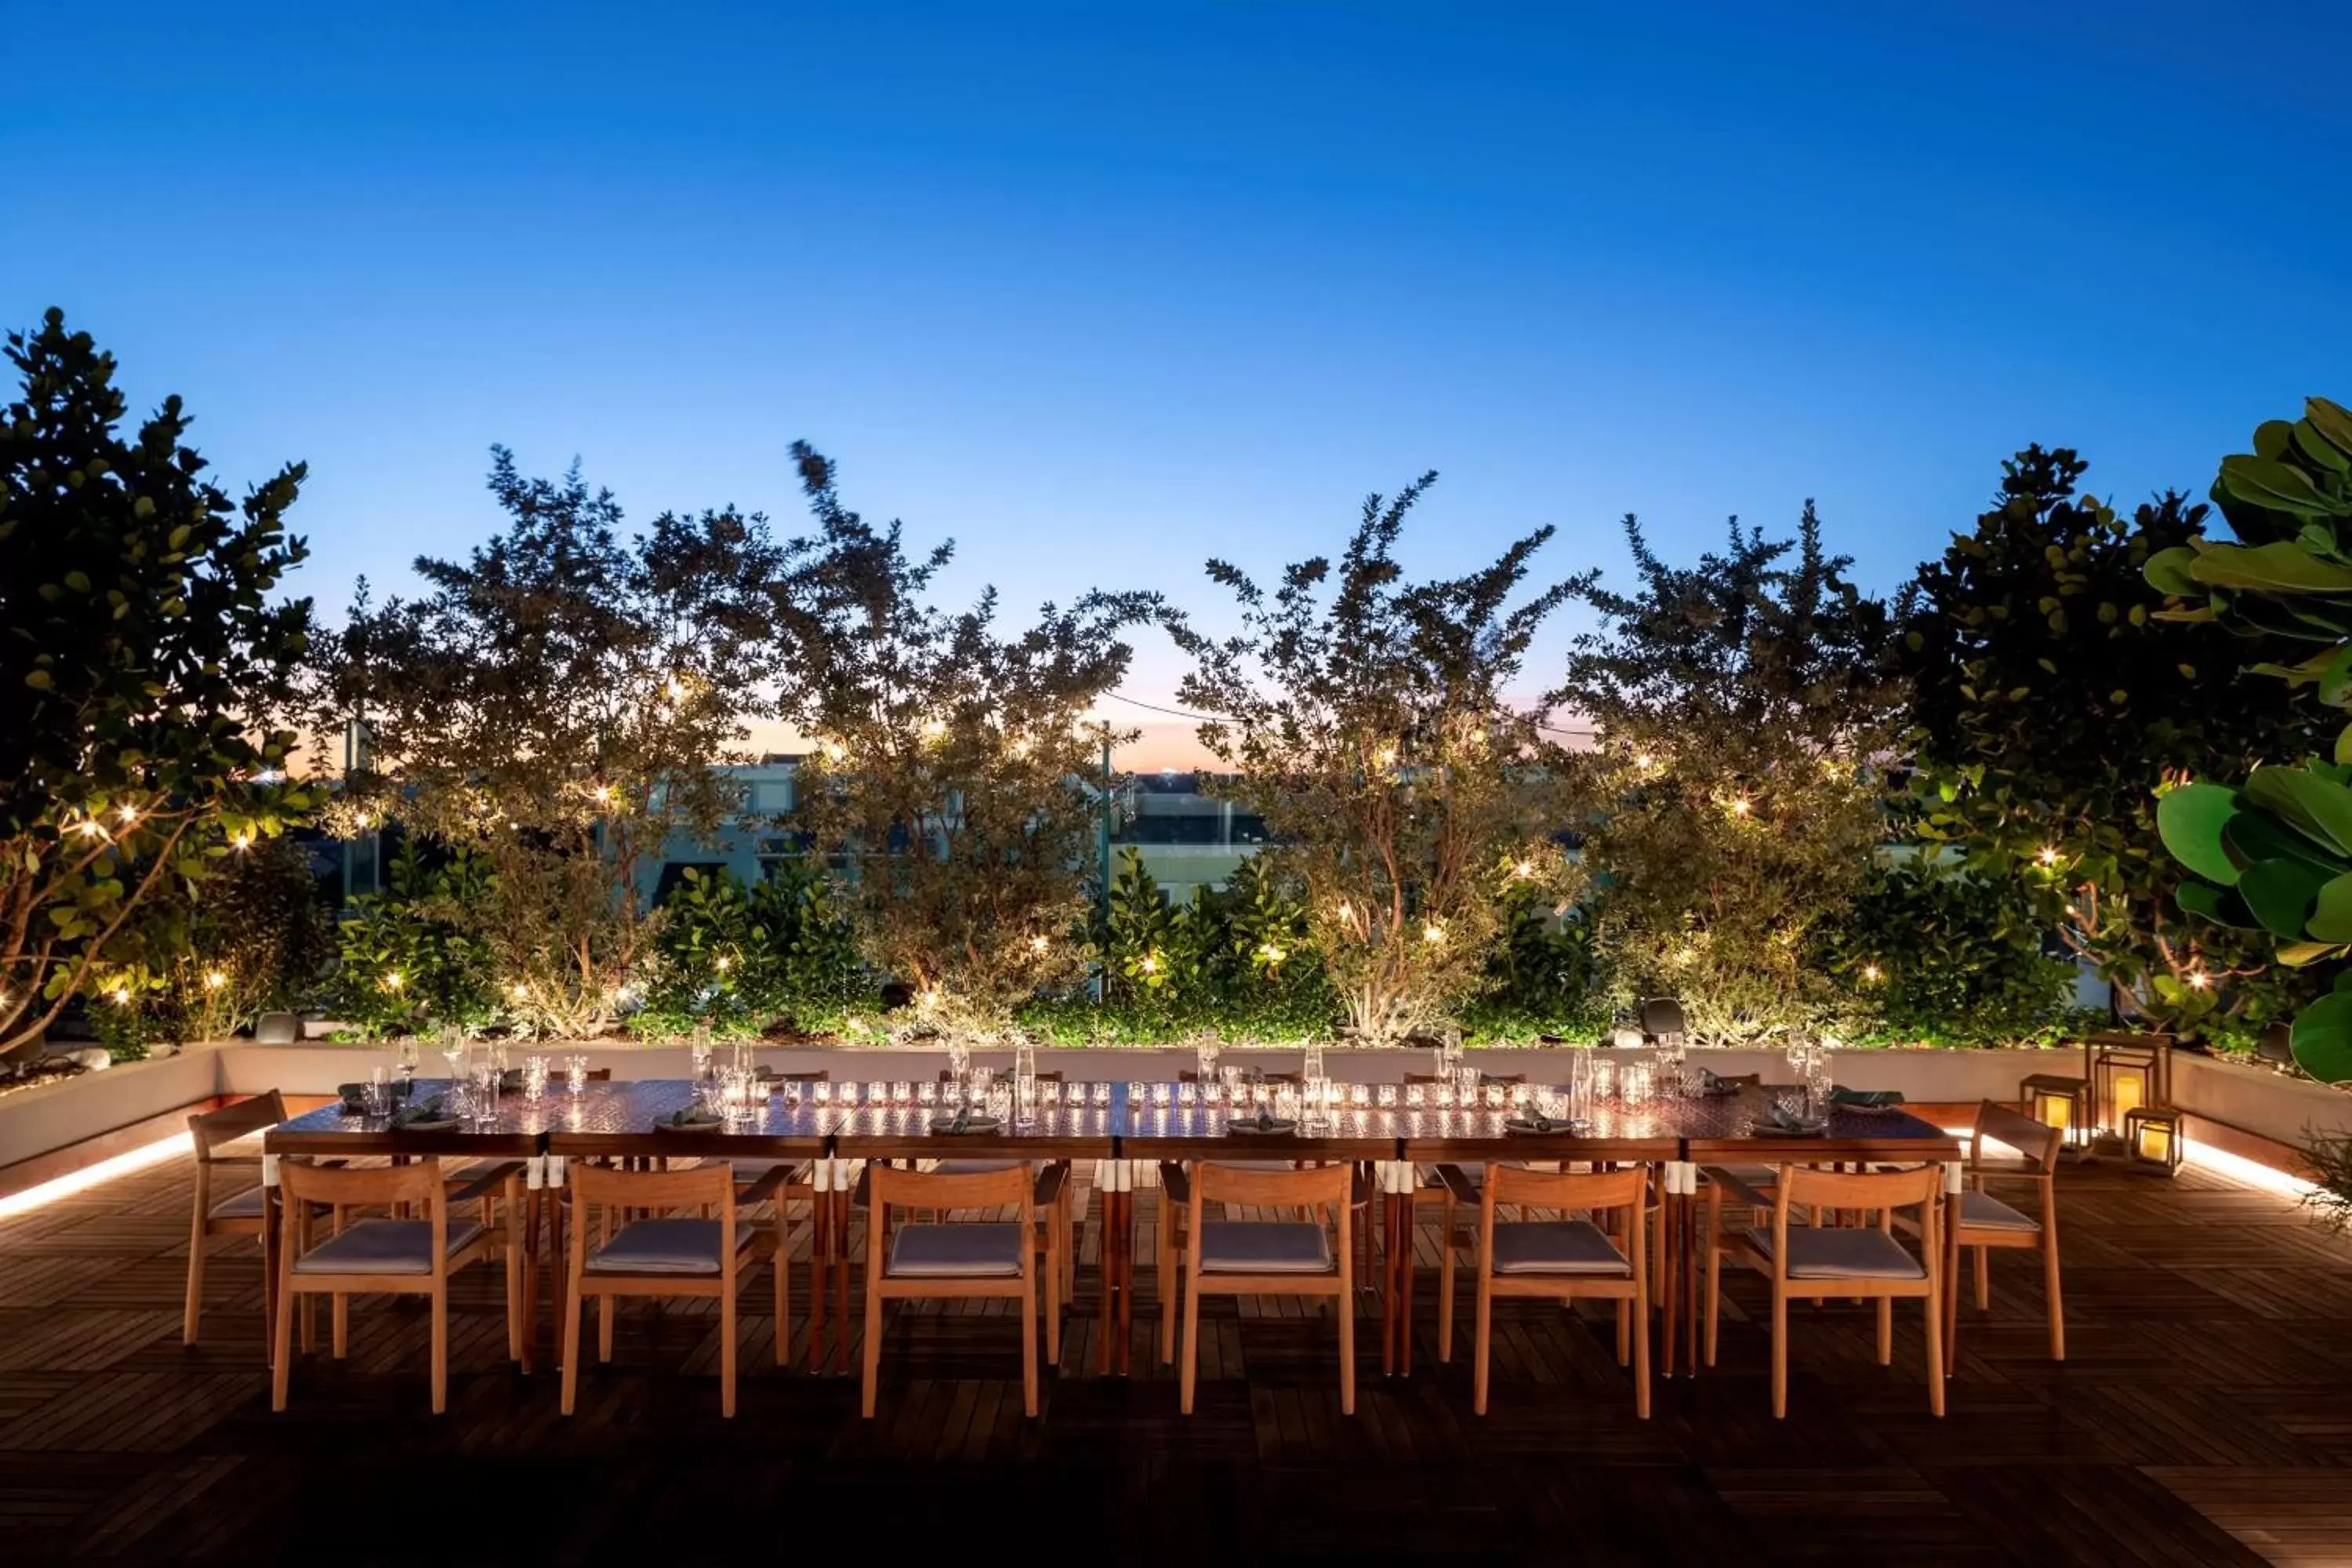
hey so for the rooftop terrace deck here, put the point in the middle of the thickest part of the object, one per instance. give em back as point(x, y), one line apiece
point(2204, 1418)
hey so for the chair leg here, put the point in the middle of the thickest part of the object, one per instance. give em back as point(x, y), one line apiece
point(782, 1287)
point(440, 1348)
point(281, 1354)
point(1642, 1356)
point(1029, 1344)
point(2057, 1306)
point(1984, 1279)
point(195, 1283)
point(1190, 1365)
point(873, 1348)
point(571, 1344)
point(726, 1355)
point(517, 1312)
point(1163, 1266)
point(1935, 1354)
point(1053, 1292)
point(1482, 1347)
point(607, 1307)
point(1446, 1279)
point(1346, 1308)
point(1887, 1330)
point(1780, 1354)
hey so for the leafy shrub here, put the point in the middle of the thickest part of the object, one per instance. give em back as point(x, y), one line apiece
point(1543, 977)
point(1932, 952)
point(410, 959)
point(744, 958)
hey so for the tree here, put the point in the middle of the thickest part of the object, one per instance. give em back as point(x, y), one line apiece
point(944, 779)
point(558, 704)
point(2051, 703)
point(1741, 710)
point(2274, 858)
point(1404, 788)
point(142, 669)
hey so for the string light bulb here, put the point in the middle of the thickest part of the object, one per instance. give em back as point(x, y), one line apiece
point(519, 990)
point(89, 827)
point(934, 726)
point(1271, 954)
point(1742, 806)
point(392, 981)
point(2199, 980)
point(129, 814)
point(1524, 869)
point(722, 963)
point(214, 980)
point(2048, 854)
point(835, 750)
point(120, 995)
point(604, 794)
point(1039, 943)
point(1150, 964)
point(1870, 971)
point(1433, 932)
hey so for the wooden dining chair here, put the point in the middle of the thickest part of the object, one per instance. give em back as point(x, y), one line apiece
point(784, 1182)
point(1566, 1259)
point(378, 1255)
point(1980, 1223)
point(241, 1213)
point(1270, 1257)
point(1171, 1249)
point(1861, 1261)
point(690, 1245)
point(982, 1260)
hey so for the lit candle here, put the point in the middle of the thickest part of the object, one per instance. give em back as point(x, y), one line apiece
point(2131, 1090)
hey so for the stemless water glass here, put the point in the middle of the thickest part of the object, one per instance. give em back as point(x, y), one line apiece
point(534, 1078)
point(405, 1055)
point(575, 1072)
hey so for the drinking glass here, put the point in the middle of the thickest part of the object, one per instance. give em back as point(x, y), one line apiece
point(998, 1102)
point(1415, 1096)
point(1230, 1076)
point(902, 1092)
point(1636, 1083)
point(1467, 1081)
point(575, 1072)
point(1205, 1050)
point(822, 1091)
point(485, 1093)
point(534, 1078)
point(927, 1094)
point(406, 1056)
point(375, 1097)
point(1604, 1079)
point(1024, 1101)
point(1188, 1093)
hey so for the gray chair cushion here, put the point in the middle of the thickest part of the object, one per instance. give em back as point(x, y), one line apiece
point(990, 1251)
point(246, 1204)
point(664, 1247)
point(1749, 1184)
point(1263, 1247)
point(383, 1247)
point(1558, 1247)
point(1843, 1253)
point(1982, 1211)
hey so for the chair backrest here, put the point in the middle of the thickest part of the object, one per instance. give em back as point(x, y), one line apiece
point(598, 1075)
point(1575, 1190)
point(1662, 1015)
point(1802, 1186)
point(1215, 1184)
point(713, 1184)
point(210, 1129)
point(2035, 1141)
point(1500, 1080)
point(934, 1190)
point(300, 1181)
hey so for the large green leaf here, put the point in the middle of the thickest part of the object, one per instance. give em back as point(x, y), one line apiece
point(2191, 820)
point(2316, 446)
point(2282, 566)
point(2166, 572)
point(2331, 918)
point(2252, 836)
point(2280, 894)
point(2220, 905)
point(2330, 420)
point(2322, 1038)
point(2267, 482)
point(2316, 807)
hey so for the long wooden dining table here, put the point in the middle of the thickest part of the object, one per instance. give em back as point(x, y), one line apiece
point(1123, 1127)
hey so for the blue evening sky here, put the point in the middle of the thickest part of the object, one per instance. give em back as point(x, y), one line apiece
point(1103, 289)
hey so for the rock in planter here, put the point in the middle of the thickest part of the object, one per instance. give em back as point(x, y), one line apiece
point(89, 1058)
point(277, 1029)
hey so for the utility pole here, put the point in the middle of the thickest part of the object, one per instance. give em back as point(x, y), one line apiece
point(1102, 860)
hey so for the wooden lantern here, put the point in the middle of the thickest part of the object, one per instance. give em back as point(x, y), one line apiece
point(2056, 1101)
point(2127, 1071)
point(2153, 1138)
